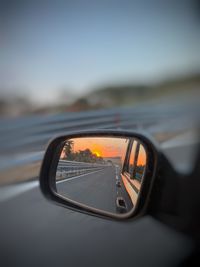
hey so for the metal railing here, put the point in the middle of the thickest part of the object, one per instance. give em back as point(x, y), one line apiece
point(24, 140)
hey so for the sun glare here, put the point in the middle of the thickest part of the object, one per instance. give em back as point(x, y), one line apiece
point(97, 153)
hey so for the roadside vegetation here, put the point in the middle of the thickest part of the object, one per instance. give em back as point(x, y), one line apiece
point(85, 155)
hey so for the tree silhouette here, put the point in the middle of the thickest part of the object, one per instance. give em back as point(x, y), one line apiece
point(68, 149)
point(80, 156)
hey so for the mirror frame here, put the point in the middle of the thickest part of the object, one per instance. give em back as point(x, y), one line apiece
point(52, 155)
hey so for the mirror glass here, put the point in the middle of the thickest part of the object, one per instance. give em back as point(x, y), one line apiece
point(105, 173)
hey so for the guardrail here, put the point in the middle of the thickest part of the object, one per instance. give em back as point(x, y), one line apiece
point(23, 141)
point(68, 169)
point(33, 133)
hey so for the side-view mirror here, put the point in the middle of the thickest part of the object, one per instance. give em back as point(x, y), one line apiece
point(105, 172)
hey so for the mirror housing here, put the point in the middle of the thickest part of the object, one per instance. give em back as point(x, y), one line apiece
point(50, 164)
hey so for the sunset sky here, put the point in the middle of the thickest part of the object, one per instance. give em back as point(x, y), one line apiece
point(103, 147)
point(109, 147)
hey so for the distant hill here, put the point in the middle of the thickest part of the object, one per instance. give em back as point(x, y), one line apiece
point(124, 95)
point(115, 95)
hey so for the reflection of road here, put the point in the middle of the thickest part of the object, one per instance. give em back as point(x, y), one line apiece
point(94, 189)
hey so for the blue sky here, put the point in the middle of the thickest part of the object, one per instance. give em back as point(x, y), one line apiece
point(79, 45)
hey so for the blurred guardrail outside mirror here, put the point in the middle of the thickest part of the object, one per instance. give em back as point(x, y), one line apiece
point(104, 173)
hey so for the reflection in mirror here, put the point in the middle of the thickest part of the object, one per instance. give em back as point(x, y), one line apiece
point(105, 173)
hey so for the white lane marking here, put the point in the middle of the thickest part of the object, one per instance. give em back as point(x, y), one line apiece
point(75, 177)
point(10, 191)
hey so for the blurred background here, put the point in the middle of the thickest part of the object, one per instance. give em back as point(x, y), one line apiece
point(69, 56)
point(72, 65)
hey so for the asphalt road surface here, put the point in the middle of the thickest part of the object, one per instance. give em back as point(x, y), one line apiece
point(97, 189)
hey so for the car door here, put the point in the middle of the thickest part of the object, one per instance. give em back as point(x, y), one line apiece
point(134, 169)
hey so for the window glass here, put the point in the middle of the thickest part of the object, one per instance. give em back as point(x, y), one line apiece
point(141, 164)
point(132, 158)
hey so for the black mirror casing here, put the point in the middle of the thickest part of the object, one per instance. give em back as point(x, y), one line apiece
point(148, 194)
